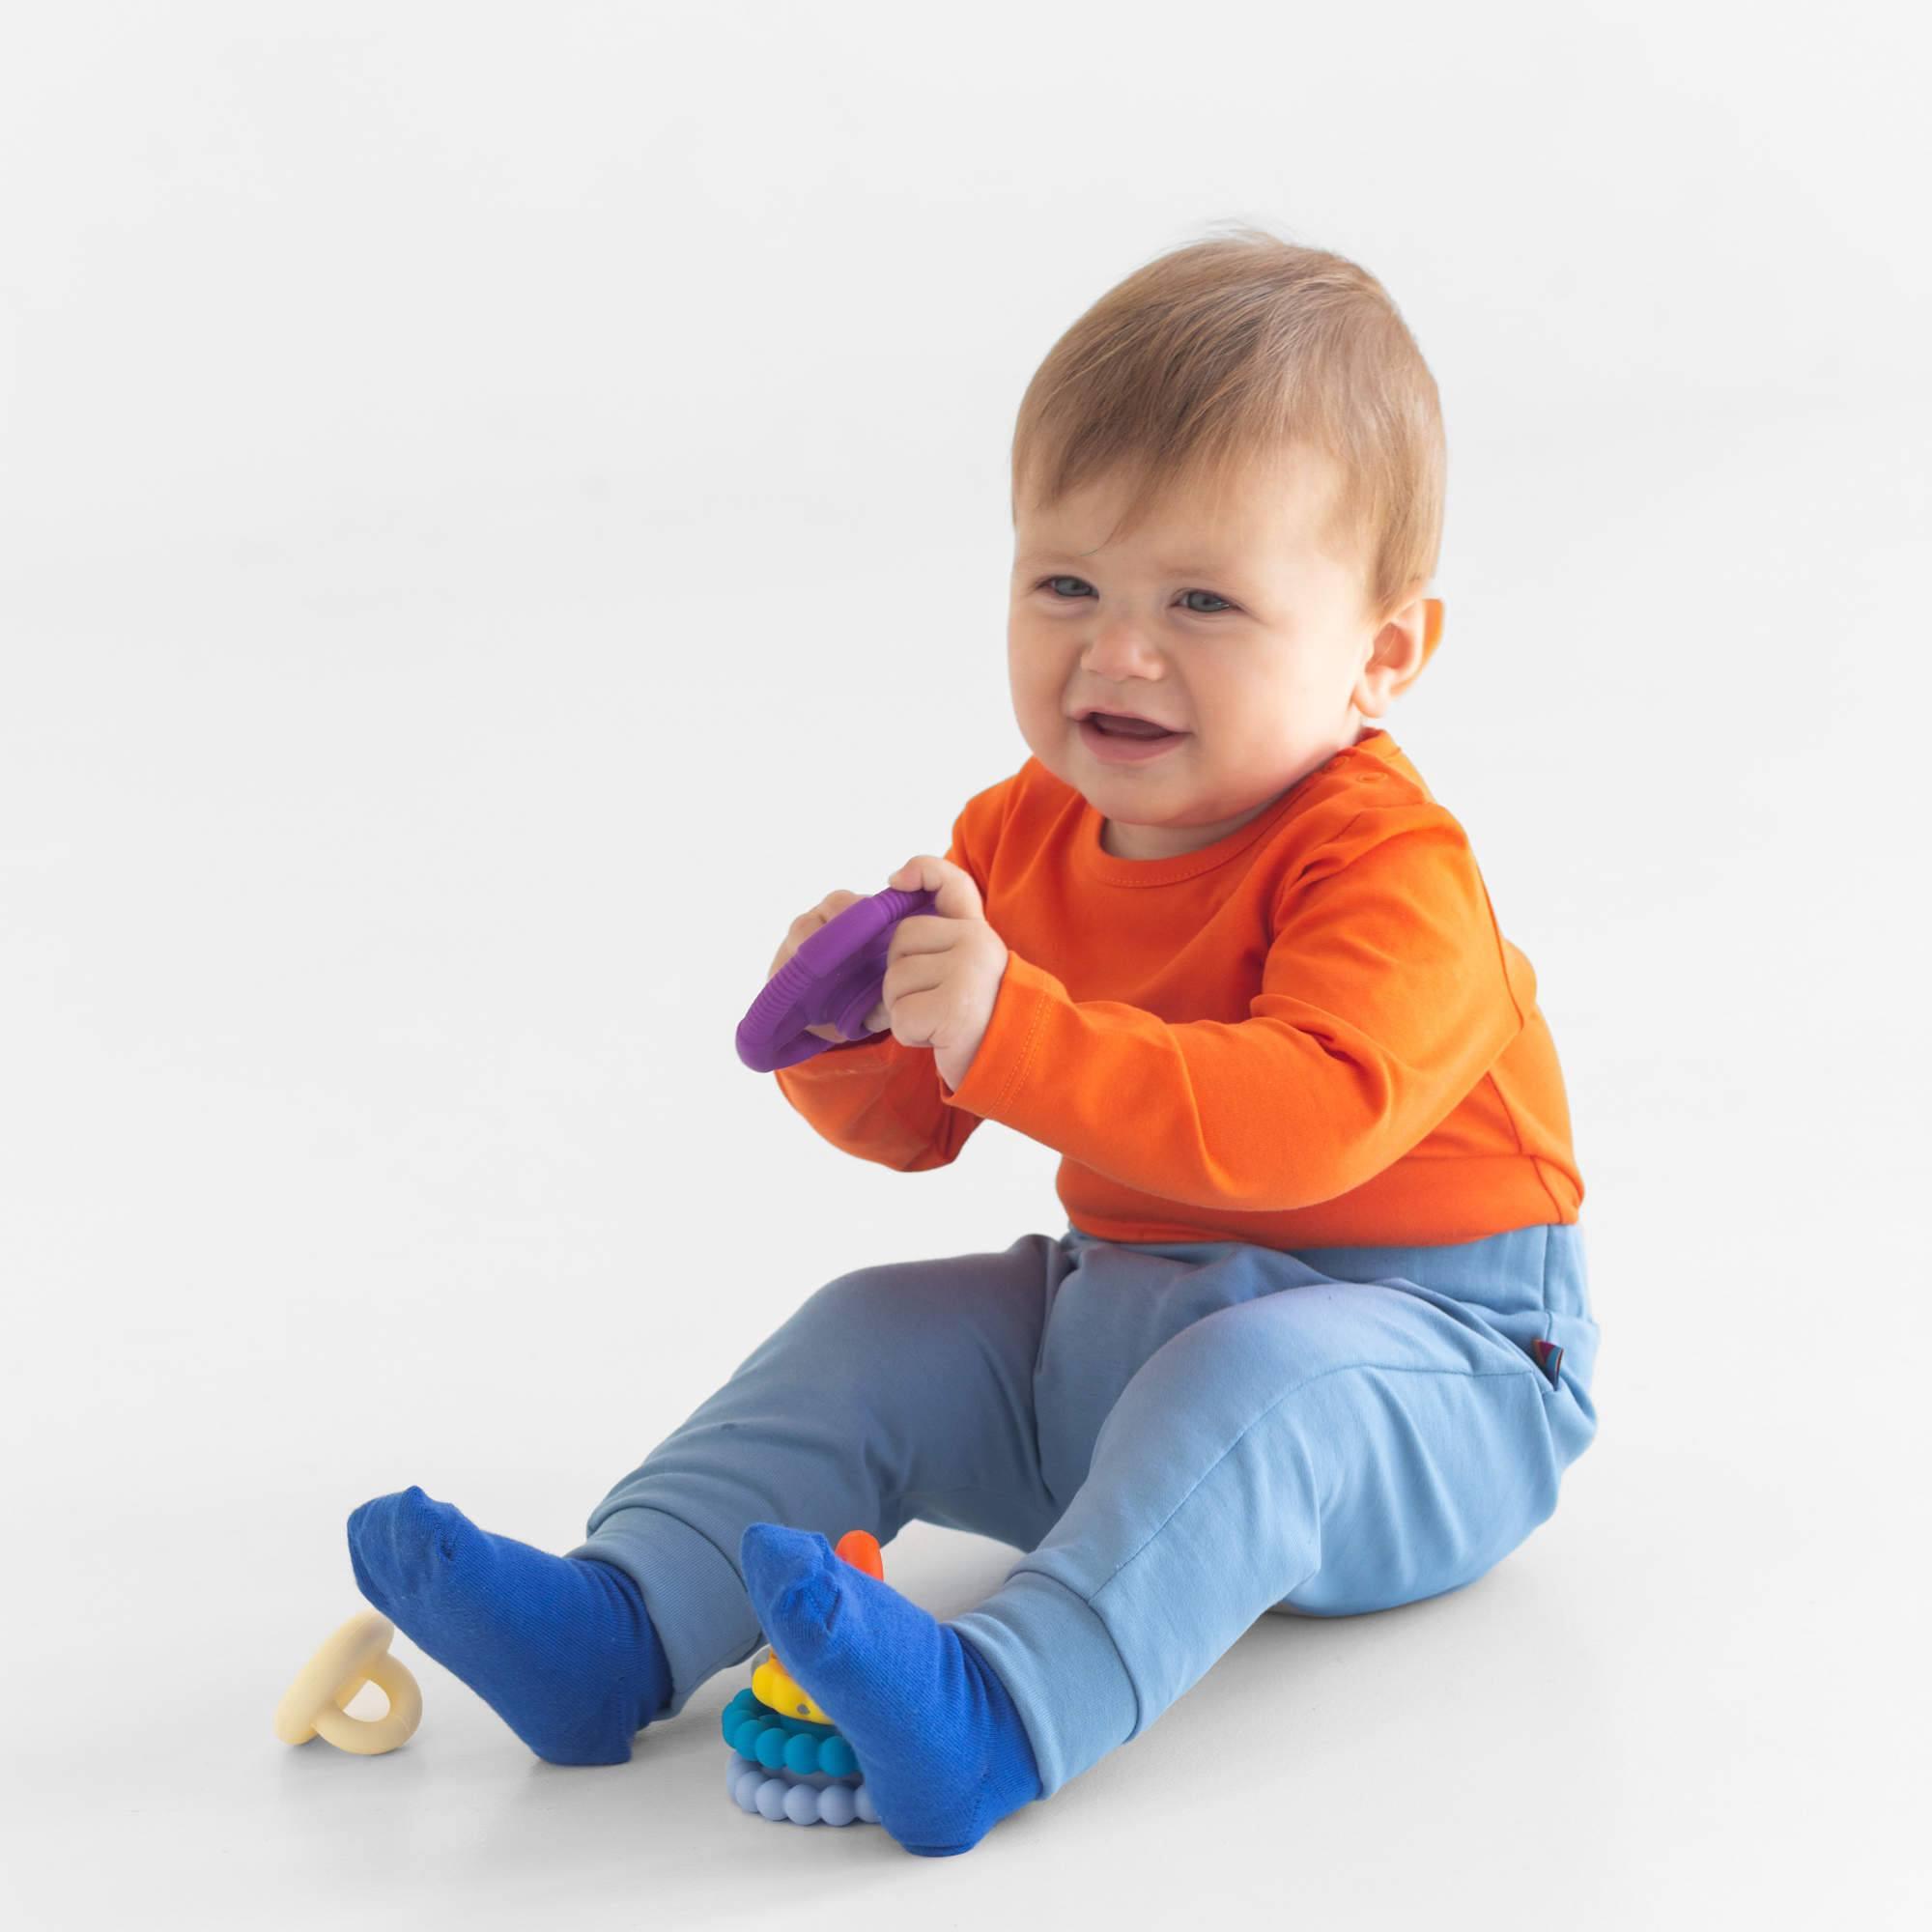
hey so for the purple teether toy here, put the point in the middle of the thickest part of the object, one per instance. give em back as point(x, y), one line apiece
point(834, 977)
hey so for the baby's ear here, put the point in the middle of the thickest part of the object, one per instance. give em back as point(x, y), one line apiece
point(1403, 648)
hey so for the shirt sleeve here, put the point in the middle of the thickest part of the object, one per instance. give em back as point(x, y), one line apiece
point(1384, 998)
point(877, 1098)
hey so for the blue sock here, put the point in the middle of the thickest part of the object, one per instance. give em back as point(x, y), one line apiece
point(943, 1752)
point(561, 1647)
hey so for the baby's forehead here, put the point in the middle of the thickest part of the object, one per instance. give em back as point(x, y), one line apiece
point(1252, 514)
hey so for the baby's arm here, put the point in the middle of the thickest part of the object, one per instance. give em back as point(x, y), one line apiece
point(1385, 997)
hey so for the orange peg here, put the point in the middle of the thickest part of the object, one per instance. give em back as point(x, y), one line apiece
point(860, 1549)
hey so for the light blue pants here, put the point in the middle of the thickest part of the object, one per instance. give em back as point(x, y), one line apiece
point(1181, 1439)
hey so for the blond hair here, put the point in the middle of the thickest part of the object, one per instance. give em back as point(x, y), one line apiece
point(1227, 351)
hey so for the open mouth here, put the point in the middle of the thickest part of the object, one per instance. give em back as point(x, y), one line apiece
point(1121, 741)
point(1126, 727)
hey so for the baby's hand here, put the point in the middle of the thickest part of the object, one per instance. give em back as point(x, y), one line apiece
point(943, 967)
point(802, 928)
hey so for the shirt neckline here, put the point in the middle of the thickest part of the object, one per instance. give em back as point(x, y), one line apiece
point(1096, 863)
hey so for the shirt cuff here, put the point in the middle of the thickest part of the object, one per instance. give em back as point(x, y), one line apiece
point(997, 1083)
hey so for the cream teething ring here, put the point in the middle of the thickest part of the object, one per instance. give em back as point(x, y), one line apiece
point(356, 1655)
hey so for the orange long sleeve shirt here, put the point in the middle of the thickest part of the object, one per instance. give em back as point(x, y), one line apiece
point(1308, 1033)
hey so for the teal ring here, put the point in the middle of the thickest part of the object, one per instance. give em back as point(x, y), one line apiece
point(769, 1737)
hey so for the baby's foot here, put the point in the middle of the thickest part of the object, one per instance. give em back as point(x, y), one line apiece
point(561, 1647)
point(943, 1750)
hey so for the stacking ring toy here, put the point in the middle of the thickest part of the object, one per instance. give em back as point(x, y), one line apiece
point(789, 1763)
point(317, 1701)
point(836, 977)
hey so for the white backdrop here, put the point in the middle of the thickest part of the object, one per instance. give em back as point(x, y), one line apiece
point(501, 507)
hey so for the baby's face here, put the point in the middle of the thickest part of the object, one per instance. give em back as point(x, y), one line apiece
point(1224, 621)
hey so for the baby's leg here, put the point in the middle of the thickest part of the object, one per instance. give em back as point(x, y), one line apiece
point(897, 1392)
point(1332, 1447)
point(893, 1392)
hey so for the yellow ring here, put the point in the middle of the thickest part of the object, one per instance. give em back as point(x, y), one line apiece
point(354, 1654)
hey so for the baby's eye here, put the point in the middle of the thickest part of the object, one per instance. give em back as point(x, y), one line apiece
point(1047, 583)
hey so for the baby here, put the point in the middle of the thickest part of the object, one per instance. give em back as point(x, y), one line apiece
point(1316, 1338)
